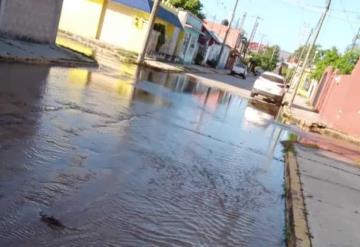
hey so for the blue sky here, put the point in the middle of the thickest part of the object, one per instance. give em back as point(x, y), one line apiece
point(288, 22)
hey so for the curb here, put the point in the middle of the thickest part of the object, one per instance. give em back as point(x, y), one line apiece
point(44, 61)
point(149, 64)
point(297, 231)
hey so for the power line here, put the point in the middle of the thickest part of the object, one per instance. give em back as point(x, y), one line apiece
point(347, 17)
point(306, 61)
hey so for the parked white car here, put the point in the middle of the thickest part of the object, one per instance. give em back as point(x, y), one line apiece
point(239, 69)
point(270, 85)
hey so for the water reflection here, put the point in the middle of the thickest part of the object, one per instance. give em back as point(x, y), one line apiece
point(136, 157)
point(21, 92)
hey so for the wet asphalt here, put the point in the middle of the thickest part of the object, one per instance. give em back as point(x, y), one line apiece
point(135, 157)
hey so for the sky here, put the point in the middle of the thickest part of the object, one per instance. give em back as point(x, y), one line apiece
point(288, 22)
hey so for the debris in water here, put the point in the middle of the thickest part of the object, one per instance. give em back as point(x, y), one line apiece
point(52, 222)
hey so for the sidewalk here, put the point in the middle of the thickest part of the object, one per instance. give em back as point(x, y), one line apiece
point(305, 117)
point(331, 190)
point(27, 52)
point(301, 111)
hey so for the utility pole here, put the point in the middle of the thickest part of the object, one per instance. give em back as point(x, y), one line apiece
point(306, 61)
point(357, 37)
point(237, 23)
point(273, 53)
point(241, 27)
point(301, 56)
point(252, 35)
point(155, 8)
point(261, 43)
point(227, 33)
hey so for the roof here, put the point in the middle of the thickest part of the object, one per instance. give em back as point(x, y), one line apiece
point(146, 6)
point(220, 31)
point(256, 46)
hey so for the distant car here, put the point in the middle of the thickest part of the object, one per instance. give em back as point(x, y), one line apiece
point(270, 85)
point(239, 69)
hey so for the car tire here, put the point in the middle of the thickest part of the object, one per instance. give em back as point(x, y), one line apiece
point(232, 73)
point(243, 76)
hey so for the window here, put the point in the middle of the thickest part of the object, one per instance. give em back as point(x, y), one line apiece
point(273, 78)
point(241, 65)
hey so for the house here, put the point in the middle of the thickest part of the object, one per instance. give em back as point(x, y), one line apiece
point(256, 47)
point(337, 100)
point(211, 45)
point(34, 20)
point(233, 41)
point(122, 23)
point(192, 27)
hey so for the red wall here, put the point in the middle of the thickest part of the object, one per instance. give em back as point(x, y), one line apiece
point(339, 102)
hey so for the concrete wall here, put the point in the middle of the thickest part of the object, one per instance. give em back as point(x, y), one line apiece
point(35, 20)
point(339, 102)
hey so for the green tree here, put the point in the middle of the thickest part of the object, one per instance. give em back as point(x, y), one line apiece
point(316, 50)
point(328, 58)
point(344, 63)
point(194, 6)
point(347, 62)
point(267, 59)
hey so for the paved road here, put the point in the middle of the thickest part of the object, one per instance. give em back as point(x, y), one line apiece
point(332, 198)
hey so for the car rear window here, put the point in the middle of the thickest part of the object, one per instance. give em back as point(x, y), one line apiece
point(273, 78)
point(240, 65)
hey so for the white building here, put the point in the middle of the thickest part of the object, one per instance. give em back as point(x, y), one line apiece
point(213, 50)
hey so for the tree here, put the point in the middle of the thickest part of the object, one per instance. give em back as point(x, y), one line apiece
point(344, 63)
point(315, 51)
point(328, 58)
point(267, 59)
point(347, 62)
point(194, 6)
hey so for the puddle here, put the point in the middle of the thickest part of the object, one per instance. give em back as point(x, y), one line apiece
point(137, 157)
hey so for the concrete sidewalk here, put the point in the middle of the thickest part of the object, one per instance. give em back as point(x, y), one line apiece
point(302, 111)
point(35, 53)
point(331, 190)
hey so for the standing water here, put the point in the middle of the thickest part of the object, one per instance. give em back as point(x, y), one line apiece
point(134, 157)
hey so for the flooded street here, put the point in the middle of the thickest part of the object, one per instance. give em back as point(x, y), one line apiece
point(130, 157)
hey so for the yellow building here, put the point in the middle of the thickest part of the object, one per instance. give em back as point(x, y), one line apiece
point(122, 23)
point(307, 85)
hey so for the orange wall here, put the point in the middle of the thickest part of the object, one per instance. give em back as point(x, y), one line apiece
point(340, 102)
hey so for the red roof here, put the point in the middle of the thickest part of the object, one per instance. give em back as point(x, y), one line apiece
point(220, 31)
point(254, 46)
